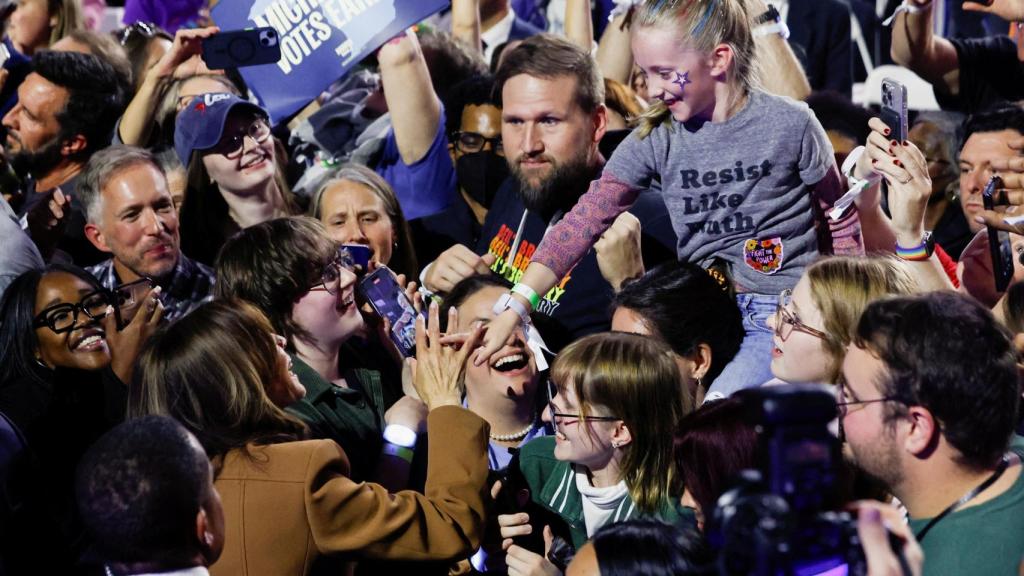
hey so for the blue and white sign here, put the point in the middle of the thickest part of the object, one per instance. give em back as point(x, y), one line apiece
point(320, 41)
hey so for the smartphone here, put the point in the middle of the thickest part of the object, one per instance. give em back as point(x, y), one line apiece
point(998, 240)
point(894, 108)
point(360, 254)
point(237, 48)
point(128, 298)
point(387, 298)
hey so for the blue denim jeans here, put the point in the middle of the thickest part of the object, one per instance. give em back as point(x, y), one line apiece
point(752, 365)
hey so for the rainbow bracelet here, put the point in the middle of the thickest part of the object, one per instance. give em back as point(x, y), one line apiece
point(916, 254)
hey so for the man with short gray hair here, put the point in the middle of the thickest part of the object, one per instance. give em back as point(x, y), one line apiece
point(129, 213)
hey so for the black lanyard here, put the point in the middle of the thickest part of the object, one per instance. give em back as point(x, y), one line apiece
point(965, 498)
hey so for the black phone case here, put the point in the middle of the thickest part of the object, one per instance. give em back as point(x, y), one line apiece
point(238, 48)
point(1000, 249)
point(893, 121)
point(515, 497)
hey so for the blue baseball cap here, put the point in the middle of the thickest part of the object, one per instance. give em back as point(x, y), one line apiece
point(200, 125)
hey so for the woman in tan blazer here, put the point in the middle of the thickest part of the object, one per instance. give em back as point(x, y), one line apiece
point(289, 507)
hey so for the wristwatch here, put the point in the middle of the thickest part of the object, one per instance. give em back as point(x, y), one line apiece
point(923, 251)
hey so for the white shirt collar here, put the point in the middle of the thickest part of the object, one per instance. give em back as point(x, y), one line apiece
point(497, 34)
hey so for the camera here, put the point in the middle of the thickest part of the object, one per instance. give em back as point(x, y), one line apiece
point(781, 518)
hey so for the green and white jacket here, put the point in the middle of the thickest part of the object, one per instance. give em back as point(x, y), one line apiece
point(553, 486)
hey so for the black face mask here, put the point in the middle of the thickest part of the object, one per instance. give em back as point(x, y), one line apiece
point(480, 174)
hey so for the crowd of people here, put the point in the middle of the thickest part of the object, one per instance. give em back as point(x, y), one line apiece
point(606, 222)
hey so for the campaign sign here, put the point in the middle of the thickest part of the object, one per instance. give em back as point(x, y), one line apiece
point(320, 41)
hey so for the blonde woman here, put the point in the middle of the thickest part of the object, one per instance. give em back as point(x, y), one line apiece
point(814, 323)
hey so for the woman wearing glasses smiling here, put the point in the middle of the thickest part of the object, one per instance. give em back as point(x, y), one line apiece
point(225, 144)
point(62, 364)
point(613, 397)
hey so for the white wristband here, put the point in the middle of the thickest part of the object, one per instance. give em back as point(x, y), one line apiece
point(400, 435)
point(907, 7)
point(507, 302)
point(851, 163)
point(779, 28)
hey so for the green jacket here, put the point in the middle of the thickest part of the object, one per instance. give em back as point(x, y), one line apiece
point(553, 486)
point(353, 417)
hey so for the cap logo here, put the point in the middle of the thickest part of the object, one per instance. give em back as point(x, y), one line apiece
point(211, 99)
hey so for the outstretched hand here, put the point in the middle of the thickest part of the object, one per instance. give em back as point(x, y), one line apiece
point(498, 331)
point(438, 369)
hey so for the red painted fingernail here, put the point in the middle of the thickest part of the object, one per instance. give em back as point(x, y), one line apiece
point(887, 131)
point(898, 163)
point(874, 161)
point(894, 143)
point(905, 143)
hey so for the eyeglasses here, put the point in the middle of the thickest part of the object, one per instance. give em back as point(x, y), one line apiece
point(330, 278)
point(230, 146)
point(145, 30)
point(842, 403)
point(570, 418)
point(471, 142)
point(63, 317)
point(786, 321)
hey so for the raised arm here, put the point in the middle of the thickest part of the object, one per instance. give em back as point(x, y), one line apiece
point(905, 170)
point(415, 108)
point(562, 247)
point(915, 46)
point(782, 72)
point(466, 24)
point(181, 61)
point(444, 523)
point(614, 55)
point(578, 27)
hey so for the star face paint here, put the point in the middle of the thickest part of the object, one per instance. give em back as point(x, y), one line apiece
point(681, 80)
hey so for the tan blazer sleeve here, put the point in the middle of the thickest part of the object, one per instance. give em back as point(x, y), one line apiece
point(444, 524)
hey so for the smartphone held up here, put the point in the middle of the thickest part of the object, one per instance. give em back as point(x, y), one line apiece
point(380, 289)
point(894, 109)
point(238, 48)
point(999, 245)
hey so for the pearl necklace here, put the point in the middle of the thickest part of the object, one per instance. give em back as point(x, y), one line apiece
point(515, 435)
